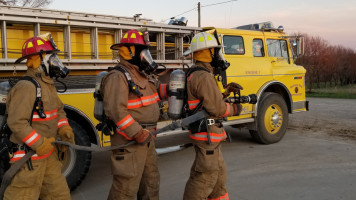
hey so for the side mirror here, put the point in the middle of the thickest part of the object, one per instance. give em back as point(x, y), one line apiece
point(298, 47)
point(294, 43)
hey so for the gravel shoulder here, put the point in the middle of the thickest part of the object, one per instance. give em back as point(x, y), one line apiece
point(331, 118)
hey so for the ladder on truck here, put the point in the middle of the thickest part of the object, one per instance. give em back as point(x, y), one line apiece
point(65, 23)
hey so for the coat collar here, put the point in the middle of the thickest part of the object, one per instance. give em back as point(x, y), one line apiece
point(138, 77)
point(205, 65)
point(39, 75)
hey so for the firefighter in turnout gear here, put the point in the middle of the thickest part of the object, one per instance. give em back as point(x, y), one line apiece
point(36, 127)
point(208, 174)
point(131, 102)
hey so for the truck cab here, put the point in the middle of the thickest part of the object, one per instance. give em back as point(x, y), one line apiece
point(262, 62)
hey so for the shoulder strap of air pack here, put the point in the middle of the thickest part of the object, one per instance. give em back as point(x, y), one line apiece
point(38, 106)
point(191, 71)
point(132, 86)
point(194, 69)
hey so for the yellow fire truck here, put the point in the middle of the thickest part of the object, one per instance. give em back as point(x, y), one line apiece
point(261, 57)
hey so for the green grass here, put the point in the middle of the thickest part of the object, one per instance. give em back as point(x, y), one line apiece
point(342, 92)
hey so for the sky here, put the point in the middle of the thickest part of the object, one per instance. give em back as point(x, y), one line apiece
point(332, 20)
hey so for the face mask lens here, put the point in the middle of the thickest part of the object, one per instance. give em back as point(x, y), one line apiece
point(219, 60)
point(146, 38)
point(149, 66)
point(56, 67)
point(54, 60)
point(45, 63)
point(221, 56)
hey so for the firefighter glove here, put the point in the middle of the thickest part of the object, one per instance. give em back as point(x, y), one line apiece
point(45, 147)
point(143, 136)
point(67, 135)
point(237, 109)
point(232, 87)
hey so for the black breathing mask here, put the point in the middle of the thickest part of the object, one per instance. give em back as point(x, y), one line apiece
point(146, 62)
point(218, 62)
point(143, 60)
point(56, 67)
point(53, 66)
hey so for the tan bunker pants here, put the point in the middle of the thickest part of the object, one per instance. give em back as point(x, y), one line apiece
point(45, 181)
point(135, 172)
point(208, 174)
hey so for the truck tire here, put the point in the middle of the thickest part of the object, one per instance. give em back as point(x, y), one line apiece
point(76, 163)
point(272, 119)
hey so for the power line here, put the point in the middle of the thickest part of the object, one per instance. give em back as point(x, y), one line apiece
point(218, 3)
point(201, 6)
point(181, 14)
point(185, 12)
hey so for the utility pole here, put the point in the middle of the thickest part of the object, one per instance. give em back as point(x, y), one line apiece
point(198, 14)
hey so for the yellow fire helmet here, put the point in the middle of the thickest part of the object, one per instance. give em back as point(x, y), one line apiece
point(202, 41)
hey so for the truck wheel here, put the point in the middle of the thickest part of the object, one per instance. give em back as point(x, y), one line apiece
point(76, 163)
point(272, 119)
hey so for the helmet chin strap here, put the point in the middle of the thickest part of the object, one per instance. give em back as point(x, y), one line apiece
point(135, 58)
point(212, 55)
point(43, 65)
point(132, 60)
point(217, 71)
point(131, 54)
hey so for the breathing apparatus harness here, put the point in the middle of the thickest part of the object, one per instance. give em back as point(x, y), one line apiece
point(38, 106)
point(132, 86)
point(107, 126)
point(190, 72)
point(8, 147)
point(219, 65)
point(202, 124)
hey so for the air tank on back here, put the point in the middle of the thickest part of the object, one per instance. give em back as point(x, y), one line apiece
point(98, 105)
point(4, 90)
point(176, 94)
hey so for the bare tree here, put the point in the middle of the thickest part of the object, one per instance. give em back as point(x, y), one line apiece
point(313, 59)
point(326, 63)
point(26, 3)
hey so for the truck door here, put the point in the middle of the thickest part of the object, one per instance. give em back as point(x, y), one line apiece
point(278, 52)
point(249, 65)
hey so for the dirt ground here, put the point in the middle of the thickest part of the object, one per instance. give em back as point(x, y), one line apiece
point(334, 118)
point(315, 160)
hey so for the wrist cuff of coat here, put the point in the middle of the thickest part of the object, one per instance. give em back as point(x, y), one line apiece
point(237, 109)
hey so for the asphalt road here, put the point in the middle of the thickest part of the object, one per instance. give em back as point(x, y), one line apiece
point(315, 160)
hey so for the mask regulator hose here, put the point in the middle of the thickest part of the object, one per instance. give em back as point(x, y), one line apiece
point(64, 85)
